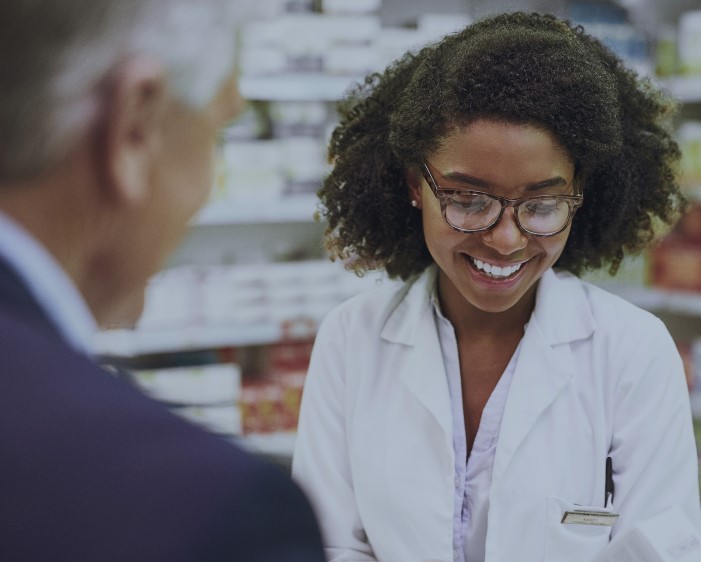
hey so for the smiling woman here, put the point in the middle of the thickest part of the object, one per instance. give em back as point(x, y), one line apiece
point(463, 415)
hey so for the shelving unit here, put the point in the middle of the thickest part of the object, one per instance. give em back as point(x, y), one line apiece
point(296, 87)
point(280, 445)
point(130, 343)
point(687, 89)
point(658, 300)
point(294, 209)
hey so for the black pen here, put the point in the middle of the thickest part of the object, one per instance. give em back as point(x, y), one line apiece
point(609, 483)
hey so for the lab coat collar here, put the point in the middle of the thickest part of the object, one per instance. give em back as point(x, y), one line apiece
point(414, 303)
point(557, 292)
point(543, 370)
point(411, 323)
point(562, 310)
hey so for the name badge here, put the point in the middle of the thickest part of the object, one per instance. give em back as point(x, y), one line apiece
point(589, 518)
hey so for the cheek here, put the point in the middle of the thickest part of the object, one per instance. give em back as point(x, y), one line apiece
point(554, 246)
point(440, 238)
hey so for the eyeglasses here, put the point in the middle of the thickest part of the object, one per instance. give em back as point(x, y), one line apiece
point(475, 211)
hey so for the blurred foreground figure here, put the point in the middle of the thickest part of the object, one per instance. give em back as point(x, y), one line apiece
point(109, 113)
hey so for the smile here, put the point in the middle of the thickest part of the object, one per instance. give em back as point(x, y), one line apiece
point(495, 271)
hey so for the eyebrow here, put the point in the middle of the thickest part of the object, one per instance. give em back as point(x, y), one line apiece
point(476, 182)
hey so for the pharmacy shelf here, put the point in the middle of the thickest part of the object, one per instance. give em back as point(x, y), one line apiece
point(293, 209)
point(660, 300)
point(296, 87)
point(686, 89)
point(132, 343)
point(279, 444)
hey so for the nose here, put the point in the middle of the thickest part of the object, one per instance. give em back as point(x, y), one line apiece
point(505, 236)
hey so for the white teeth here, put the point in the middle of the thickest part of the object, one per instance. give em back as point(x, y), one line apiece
point(495, 270)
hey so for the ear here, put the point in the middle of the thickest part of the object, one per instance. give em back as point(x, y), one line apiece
point(413, 181)
point(135, 103)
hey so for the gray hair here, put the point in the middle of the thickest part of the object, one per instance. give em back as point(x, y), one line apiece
point(55, 54)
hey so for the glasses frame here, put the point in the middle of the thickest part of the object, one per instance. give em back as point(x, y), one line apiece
point(573, 202)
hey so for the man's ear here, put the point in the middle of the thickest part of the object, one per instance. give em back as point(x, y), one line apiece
point(413, 182)
point(135, 102)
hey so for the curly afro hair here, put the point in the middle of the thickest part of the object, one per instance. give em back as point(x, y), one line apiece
point(523, 68)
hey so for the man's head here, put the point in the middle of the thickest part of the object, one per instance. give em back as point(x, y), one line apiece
point(109, 112)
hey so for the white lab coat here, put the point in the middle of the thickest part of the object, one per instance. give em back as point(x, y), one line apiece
point(596, 377)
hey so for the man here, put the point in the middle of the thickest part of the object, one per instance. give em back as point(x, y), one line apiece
point(109, 112)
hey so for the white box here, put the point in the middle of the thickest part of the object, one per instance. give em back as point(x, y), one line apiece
point(208, 384)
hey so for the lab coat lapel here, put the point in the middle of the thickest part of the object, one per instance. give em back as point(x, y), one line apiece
point(425, 376)
point(544, 366)
point(412, 324)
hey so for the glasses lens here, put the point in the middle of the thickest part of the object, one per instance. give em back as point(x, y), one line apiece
point(544, 215)
point(471, 211)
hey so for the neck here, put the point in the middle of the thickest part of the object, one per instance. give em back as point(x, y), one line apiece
point(60, 212)
point(477, 324)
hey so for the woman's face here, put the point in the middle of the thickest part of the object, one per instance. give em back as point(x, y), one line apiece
point(508, 160)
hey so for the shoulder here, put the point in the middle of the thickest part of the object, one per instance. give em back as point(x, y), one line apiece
point(264, 511)
point(612, 311)
point(608, 313)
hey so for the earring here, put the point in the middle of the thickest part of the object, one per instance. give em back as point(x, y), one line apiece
point(414, 203)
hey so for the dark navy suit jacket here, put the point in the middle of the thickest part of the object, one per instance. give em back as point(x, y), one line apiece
point(92, 470)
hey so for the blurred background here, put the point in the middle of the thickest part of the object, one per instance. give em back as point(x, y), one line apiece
point(229, 324)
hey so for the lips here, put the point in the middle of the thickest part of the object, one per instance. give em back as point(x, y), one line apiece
point(494, 271)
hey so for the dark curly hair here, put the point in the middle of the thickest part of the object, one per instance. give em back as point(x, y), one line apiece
point(523, 68)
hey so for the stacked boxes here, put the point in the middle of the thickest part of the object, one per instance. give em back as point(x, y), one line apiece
point(271, 397)
point(676, 260)
point(277, 149)
point(294, 295)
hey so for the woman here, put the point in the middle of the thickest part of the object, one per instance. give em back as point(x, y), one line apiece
point(472, 411)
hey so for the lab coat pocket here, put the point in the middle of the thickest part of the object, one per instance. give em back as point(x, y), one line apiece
point(573, 542)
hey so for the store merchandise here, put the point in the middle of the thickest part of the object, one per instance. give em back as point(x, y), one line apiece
point(346, 7)
point(271, 397)
point(298, 43)
point(207, 395)
point(279, 294)
point(676, 259)
point(689, 138)
point(610, 24)
point(198, 385)
point(689, 41)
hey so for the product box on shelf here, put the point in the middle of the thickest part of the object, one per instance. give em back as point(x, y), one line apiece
point(689, 42)
point(271, 405)
point(271, 170)
point(224, 419)
point(207, 395)
point(354, 7)
point(196, 385)
point(272, 394)
point(610, 23)
point(676, 263)
point(299, 43)
point(689, 138)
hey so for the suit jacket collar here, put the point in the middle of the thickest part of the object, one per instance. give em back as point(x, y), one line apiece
point(16, 298)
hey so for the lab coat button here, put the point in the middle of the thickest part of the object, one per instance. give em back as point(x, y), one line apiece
point(456, 481)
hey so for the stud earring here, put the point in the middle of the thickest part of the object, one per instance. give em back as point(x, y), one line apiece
point(414, 203)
